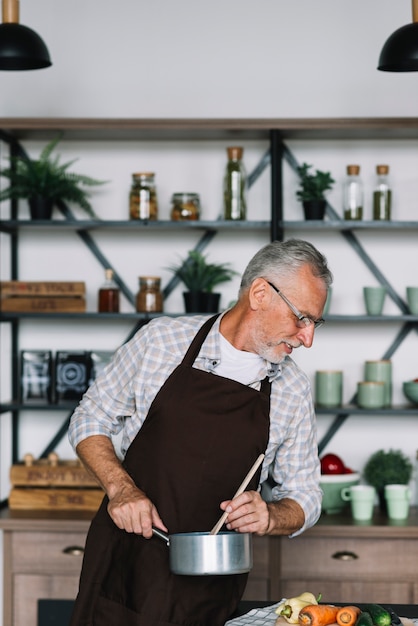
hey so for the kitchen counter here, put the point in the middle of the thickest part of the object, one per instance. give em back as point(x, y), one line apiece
point(348, 561)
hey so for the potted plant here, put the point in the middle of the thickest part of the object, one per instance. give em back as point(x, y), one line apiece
point(312, 191)
point(200, 278)
point(45, 181)
point(387, 468)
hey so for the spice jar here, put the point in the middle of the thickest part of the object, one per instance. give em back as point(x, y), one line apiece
point(149, 298)
point(185, 206)
point(143, 197)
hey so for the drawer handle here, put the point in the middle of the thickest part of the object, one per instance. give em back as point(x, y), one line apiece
point(74, 550)
point(345, 556)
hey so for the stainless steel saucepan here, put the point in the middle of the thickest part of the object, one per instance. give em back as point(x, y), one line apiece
point(214, 552)
point(201, 553)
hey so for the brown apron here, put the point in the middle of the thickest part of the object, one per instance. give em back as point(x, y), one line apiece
point(200, 437)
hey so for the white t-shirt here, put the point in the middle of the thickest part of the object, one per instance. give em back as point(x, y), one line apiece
point(244, 367)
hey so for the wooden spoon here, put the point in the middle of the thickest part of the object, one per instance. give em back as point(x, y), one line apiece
point(240, 490)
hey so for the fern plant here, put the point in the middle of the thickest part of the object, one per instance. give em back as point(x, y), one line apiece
point(199, 275)
point(47, 178)
point(313, 186)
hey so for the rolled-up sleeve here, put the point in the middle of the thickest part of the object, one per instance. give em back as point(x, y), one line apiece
point(292, 455)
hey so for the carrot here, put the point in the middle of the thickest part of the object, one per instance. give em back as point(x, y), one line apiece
point(318, 615)
point(347, 615)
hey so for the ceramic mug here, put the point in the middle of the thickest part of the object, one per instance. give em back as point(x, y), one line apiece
point(374, 298)
point(362, 499)
point(412, 297)
point(329, 388)
point(397, 499)
point(327, 302)
point(380, 372)
point(371, 395)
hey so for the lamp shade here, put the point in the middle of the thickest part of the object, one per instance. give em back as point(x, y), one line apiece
point(21, 48)
point(400, 52)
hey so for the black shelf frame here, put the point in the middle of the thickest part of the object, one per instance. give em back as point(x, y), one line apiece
point(275, 132)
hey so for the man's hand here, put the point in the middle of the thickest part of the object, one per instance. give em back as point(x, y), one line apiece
point(132, 511)
point(249, 513)
point(128, 506)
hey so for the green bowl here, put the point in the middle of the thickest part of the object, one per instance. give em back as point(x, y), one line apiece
point(332, 485)
point(410, 389)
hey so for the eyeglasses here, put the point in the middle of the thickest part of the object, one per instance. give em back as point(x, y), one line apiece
point(303, 319)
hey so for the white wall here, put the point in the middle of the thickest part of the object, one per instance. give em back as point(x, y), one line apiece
point(232, 58)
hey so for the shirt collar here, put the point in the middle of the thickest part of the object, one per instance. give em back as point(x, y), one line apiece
point(211, 353)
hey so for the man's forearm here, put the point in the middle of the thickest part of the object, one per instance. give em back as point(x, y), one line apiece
point(285, 517)
point(98, 455)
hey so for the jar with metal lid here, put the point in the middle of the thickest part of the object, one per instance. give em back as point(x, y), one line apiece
point(143, 197)
point(185, 206)
point(149, 298)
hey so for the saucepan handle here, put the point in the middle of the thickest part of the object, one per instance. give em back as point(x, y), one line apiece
point(161, 534)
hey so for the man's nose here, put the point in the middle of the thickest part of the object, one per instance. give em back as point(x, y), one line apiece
point(306, 335)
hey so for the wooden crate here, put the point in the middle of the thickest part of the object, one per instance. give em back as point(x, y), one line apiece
point(42, 473)
point(51, 483)
point(22, 288)
point(45, 499)
point(42, 297)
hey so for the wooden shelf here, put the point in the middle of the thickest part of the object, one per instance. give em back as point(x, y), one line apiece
point(133, 129)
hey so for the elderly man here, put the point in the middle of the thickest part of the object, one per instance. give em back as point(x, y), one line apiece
point(197, 400)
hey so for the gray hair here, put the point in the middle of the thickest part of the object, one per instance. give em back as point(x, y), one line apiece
point(280, 259)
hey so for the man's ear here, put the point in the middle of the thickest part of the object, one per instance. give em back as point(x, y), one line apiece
point(258, 295)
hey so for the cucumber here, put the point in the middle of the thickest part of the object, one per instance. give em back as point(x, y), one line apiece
point(364, 619)
point(379, 615)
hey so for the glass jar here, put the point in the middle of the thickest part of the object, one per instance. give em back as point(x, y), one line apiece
point(149, 298)
point(185, 206)
point(353, 194)
point(143, 197)
point(382, 194)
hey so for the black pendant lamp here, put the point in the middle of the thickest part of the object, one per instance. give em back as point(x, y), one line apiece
point(400, 52)
point(20, 47)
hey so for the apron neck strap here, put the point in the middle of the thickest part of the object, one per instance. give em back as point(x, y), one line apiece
point(193, 350)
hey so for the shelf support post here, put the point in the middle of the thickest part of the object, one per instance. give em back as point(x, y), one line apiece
point(276, 158)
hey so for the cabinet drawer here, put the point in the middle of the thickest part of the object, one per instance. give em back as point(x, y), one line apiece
point(347, 558)
point(47, 552)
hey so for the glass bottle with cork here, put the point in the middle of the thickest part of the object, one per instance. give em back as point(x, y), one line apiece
point(149, 298)
point(382, 194)
point(143, 197)
point(235, 180)
point(353, 194)
point(108, 296)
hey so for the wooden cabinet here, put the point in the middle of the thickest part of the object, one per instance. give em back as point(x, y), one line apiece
point(349, 562)
point(42, 560)
point(43, 555)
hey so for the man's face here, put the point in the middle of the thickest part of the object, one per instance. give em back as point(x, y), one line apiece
point(277, 330)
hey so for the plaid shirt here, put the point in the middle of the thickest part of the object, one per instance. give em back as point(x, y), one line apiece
point(118, 401)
